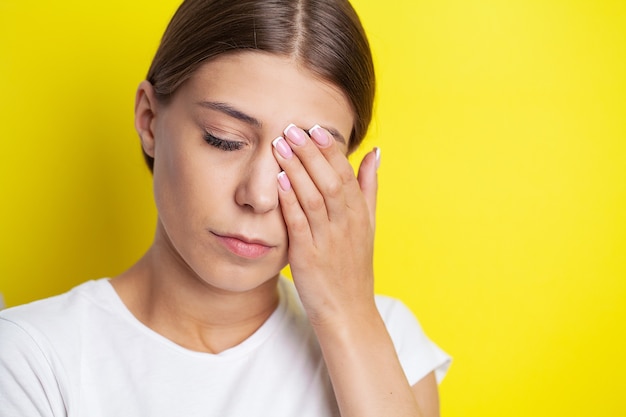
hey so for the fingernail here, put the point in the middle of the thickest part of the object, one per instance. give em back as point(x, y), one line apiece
point(377, 150)
point(283, 181)
point(296, 135)
point(319, 135)
point(282, 147)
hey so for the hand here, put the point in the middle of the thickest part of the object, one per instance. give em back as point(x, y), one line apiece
point(330, 217)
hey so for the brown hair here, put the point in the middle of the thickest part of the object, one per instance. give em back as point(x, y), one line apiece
point(326, 36)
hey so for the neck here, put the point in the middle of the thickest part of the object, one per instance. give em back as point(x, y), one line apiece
point(177, 304)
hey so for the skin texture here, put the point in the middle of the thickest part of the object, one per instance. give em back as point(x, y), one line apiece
point(226, 226)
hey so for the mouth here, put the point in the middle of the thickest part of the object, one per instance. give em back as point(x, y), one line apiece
point(243, 246)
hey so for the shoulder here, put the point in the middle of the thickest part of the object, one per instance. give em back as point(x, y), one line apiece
point(393, 310)
point(54, 320)
point(417, 353)
point(401, 323)
point(37, 341)
point(49, 312)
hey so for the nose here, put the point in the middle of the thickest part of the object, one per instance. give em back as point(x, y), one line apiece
point(258, 188)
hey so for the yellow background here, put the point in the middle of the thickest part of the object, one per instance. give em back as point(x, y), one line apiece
point(502, 212)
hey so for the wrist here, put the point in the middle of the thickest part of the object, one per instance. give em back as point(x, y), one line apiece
point(348, 320)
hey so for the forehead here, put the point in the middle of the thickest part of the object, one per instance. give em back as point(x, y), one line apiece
point(273, 89)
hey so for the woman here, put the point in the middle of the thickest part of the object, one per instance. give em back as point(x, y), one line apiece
point(246, 117)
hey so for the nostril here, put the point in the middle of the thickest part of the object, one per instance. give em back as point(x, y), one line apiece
point(257, 188)
point(259, 194)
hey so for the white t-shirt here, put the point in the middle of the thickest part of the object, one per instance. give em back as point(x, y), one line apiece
point(84, 354)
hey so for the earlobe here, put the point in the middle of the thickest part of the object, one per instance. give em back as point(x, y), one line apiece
point(145, 113)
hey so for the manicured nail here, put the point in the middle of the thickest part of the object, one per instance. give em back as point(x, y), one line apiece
point(283, 181)
point(377, 150)
point(295, 134)
point(282, 147)
point(319, 135)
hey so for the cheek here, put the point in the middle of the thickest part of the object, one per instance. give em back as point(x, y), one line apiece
point(196, 184)
point(176, 184)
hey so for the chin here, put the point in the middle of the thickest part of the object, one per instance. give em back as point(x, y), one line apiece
point(239, 279)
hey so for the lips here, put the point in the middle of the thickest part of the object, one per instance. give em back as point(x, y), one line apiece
point(244, 247)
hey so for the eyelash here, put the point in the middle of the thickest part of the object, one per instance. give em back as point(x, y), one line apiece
point(225, 145)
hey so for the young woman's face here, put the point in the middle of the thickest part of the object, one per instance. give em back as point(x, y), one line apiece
point(214, 171)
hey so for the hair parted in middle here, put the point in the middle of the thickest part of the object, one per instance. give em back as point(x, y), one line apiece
point(324, 36)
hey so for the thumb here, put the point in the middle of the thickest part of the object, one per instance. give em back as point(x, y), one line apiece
point(368, 181)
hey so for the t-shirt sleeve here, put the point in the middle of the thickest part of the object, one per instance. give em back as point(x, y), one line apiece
point(417, 353)
point(28, 386)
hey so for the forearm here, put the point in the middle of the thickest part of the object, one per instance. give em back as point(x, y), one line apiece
point(366, 374)
point(330, 217)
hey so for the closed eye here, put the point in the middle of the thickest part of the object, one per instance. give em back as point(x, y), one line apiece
point(225, 145)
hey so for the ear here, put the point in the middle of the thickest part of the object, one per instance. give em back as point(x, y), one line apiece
point(145, 116)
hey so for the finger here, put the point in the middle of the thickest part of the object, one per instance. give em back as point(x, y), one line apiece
point(327, 181)
point(298, 228)
point(368, 181)
point(337, 158)
point(309, 198)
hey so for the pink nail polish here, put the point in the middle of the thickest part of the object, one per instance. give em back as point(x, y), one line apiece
point(283, 181)
point(295, 134)
point(319, 136)
point(377, 151)
point(282, 147)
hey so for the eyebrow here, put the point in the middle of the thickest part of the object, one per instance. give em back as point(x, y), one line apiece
point(239, 115)
point(338, 136)
point(231, 111)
